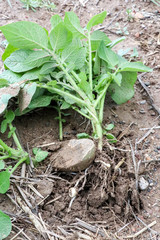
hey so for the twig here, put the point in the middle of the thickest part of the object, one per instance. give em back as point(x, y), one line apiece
point(143, 129)
point(136, 166)
point(139, 232)
point(146, 89)
point(24, 197)
point(46, 145)
point(21, 231)
point(145, 135)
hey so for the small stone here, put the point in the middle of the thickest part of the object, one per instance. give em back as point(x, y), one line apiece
point(147, 83)
point(142, 111)
point(143, 184)
point(158, 148)
point(45, 187)
point(142, 102)
point(75, 155)
point(153, 113)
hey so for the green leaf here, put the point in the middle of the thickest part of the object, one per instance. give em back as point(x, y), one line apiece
point(48, 68)
point(65, 105)
point(37, 59)
point(69, 100)
point(35, 150)
point(2, 164)
point(5, 225)
point(4, 181)
point(31, 75)
point(60, 37)
point(84, 85)
point(107, 55)
point(12, 130)
point(126, 91)
point(10, 116)
point(109, 127)
point(55, 20)
point(111, 138)
point(41, 101)
point(97, 37)
point(134, 67)
point(16, 61)
point(4, 125)
point(115, 42)
point(74, 55)
point(26, 94)
point(82, 135)
point(9, 49)
point(117, 78)
point(25, 35)
point(73, 24)
point(3, 83)
point(97, 64)
point(97, 19)
point(10, 76)
point(41, 155)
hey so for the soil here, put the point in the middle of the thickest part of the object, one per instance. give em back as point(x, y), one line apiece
point(107, 202)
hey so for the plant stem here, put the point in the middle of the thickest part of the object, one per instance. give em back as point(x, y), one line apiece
point(18, 163)
point(15, 138)
point(99, 133)
point(90, 61)
point(8, 149)
point(101, 108)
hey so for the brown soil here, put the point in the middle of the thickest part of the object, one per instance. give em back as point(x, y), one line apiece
point(107, 198)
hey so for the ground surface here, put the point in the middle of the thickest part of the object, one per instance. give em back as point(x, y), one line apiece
point(108, 199)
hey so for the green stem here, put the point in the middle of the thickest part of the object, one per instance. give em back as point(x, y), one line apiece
point(90, 61)
point(18, 163)
point(4, 157)
point(101, 108)
point(99, 133)
point(101, 95)
point(8, 149)
point(15, 138)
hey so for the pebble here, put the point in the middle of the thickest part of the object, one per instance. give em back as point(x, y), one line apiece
point(153, 113)
point(143, 184)
point(75, 155)
point(142, 102)
point(142, 111)
point(147, 83)
point(158, 148)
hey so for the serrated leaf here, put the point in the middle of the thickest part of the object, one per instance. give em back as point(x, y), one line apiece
point(26, 94)
point(4, 124)
point(41, 101)
point(9, 49)
point(41, 155)
point(10, 116)
point(2, 164)
point(126, 91)
point(5, 225)
point(10, 76)
point(25, 35)
point(15, 61)
point(36, 59)
point(73, 24)
point(4, 181)
point(97, 19)
point(55, 20)
point(97, 37)
point(60, 37)
point(107, 55)
point(134, 67)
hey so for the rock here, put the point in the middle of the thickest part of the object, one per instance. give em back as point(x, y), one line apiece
point(142, 111)
point(45, 187)
point(143, 184)
point(142, 102)
point(75, 155)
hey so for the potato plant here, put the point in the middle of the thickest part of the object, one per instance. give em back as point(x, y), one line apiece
point(72, 65)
